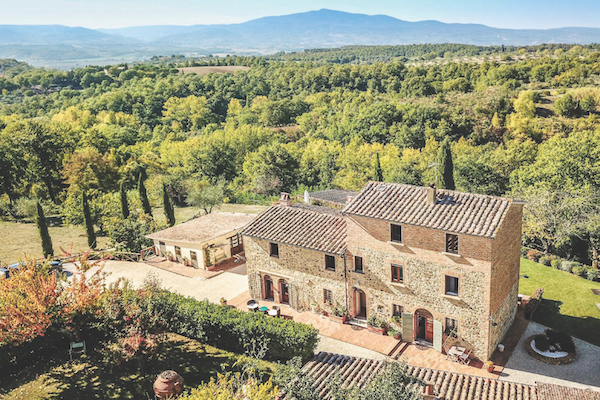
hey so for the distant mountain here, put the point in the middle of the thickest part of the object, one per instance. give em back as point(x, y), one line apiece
point(314, 29)
point(328, 28)
point(57, 35)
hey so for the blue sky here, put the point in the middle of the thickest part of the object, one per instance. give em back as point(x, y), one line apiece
point(538, 14)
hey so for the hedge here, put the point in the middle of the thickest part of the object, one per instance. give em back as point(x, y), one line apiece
point(236, 330)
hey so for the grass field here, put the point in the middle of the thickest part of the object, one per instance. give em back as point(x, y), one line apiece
point(568, 303)
point(21, 239)
point(92, 378)
point(208, 70)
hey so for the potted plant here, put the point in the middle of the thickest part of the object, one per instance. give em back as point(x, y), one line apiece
point(338, 314)
point(186, 261)
point(395, 333)
point(490, 366)
point(223, 301)
point(376, 325)
point(170, 256)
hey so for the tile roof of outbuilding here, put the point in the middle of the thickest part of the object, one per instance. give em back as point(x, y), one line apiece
point(452, 211)
point(202, 229)
point(447, 385)
point(312, 227)
point(548, 391)
point(333, 195)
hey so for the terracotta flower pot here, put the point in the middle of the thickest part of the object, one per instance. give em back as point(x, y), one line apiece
point(169, 384)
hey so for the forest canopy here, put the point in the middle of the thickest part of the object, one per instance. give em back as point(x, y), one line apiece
point(519, 122)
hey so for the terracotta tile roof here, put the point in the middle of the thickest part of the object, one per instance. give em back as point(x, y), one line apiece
point(202, 229)
point(447, 385)
point(458, 212)
point(547, 391)
point(333, 195)
point(312, 227)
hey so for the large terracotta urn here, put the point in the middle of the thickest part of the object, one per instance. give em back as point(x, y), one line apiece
point(168, 385)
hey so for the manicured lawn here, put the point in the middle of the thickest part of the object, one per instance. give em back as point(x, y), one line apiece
point(569, 304)
point(19, 238)
point(93, 379)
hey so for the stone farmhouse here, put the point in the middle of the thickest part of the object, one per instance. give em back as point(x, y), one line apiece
point(444, 263)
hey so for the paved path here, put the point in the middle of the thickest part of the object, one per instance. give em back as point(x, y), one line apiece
point(228, 284)
point(584, 372)
point(331, 345)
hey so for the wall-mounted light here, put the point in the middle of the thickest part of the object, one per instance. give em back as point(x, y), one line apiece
point(494, 323)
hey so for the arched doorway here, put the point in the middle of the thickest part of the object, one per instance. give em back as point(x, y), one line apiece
point(360, 304)
point(423, 325)
point(268, 293)
point(284, 290)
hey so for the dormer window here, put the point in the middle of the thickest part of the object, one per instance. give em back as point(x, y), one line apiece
point(396, 233)
point(451, 243)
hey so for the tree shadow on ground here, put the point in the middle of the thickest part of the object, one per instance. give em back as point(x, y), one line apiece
point(586, 328)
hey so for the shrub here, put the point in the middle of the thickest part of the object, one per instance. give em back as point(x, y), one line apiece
point(533, 255)
point(579, 270)
point(545, 260)
point(524, 251)
point(592, 274)
point(376, 322)
point(235, 330)
point(542, 343)
point(567, 266)
point(556, 263)
point(564, 341)
point(539, 292)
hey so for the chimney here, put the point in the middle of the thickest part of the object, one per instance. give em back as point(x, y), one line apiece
point(431, 193)
point(428, 392)
point(285, 200)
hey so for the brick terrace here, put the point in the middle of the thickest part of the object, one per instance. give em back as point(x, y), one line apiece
point(414, 355)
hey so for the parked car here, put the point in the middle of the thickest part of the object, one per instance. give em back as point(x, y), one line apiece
point(55, 267)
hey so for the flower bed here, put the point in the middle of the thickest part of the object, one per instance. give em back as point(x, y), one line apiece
point(556, 358)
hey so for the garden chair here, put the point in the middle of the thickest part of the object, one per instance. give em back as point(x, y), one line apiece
point(78, 347)
point(464, 358)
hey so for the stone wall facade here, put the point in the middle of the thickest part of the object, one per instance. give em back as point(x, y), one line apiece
point(304, 271)
point(487, 269)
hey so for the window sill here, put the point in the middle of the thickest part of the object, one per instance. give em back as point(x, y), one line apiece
point(451, 296)
point(330, 269)
point(358, 272)
point(400, 244)
point(451, 254)
point(274, 256)
point(398, 284)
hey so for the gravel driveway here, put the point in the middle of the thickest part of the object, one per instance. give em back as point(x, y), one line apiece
point(584, 372)
point(228, 284)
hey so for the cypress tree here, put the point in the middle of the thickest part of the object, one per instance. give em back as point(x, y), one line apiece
point(43, 229)
point(89, 224)
point(144, 197)
point(124, 202)
point(378, 173)
point(168, 207)
point(446, 166)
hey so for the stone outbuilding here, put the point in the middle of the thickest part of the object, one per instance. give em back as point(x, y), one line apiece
point(437, 263)
point(203, 241)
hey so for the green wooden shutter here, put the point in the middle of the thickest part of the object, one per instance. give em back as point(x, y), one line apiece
point(408, 327)
point(437, 335)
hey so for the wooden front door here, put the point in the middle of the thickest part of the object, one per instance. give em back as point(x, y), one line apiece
point(424, 327)
point(269, 295)
point(235, 242)
point(361, 303)
point(285, 292)
point(194, 259)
